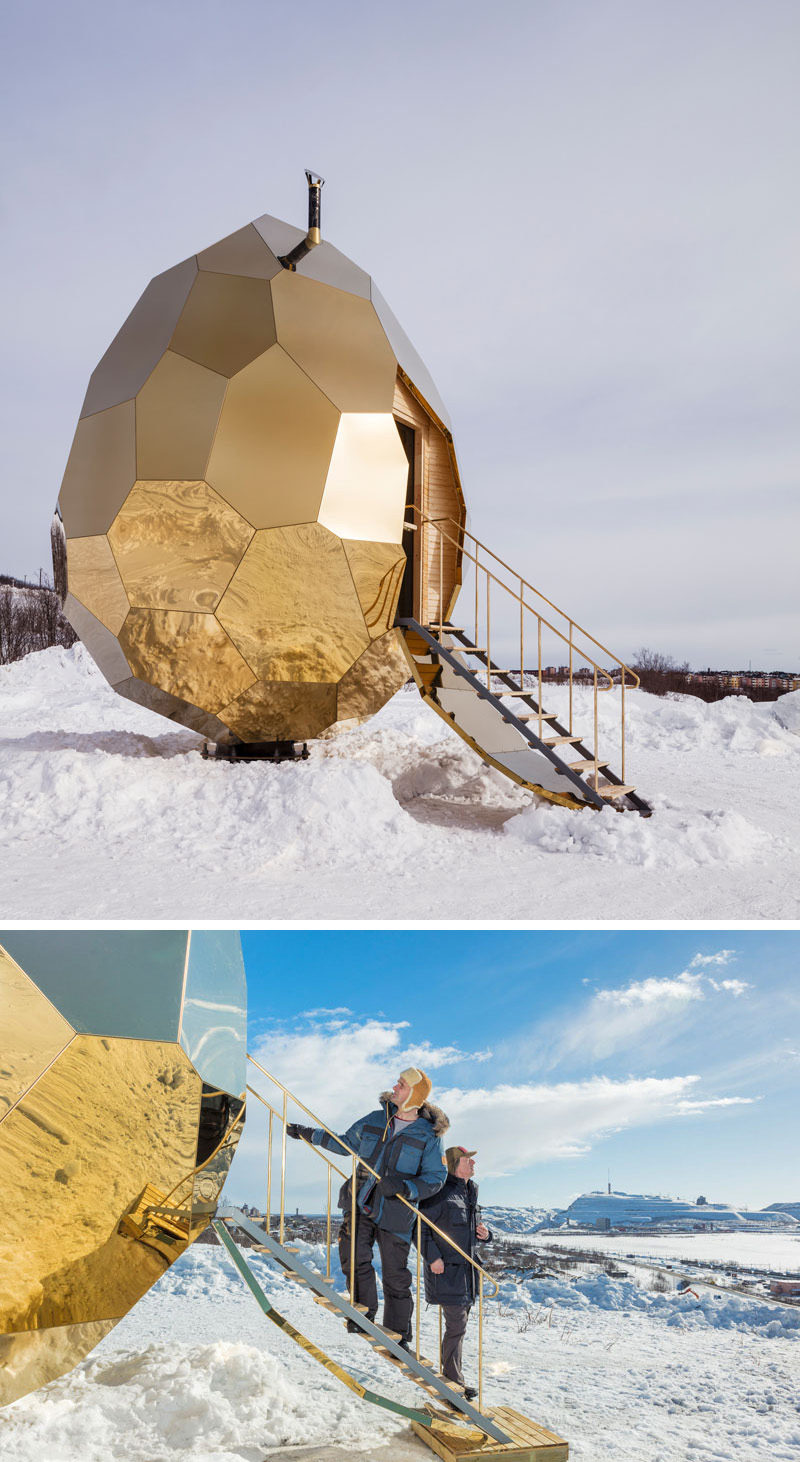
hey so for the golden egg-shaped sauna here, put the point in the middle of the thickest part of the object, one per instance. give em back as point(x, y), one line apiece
point(122, 1086)
point(238, 506)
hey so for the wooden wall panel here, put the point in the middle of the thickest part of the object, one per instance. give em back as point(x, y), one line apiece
point(437, 567)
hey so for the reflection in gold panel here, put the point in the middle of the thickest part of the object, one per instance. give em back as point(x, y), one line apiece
point(142, 340)
point(164, 704)
point(365, 490)
point(273, 446)
point(243, 252)
point(107, 1118)
point(337, 339)
point(281, 711)
point(226, 322)
point(380, 671)
point(377, 569)
point(188, 655)
point(33, 1032)
point(100, 470)
point(93, 578)
point(99, 641)
point(177, 544)
point(31, 1358)
point(176, 416)
point(292, 607)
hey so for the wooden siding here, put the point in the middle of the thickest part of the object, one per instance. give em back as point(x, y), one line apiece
point(437, 562)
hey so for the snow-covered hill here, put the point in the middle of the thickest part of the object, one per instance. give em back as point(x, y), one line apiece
point(196, 1373)
point(642, 1211)
point(109, 811)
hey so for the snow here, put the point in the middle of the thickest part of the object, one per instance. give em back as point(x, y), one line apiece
point(638, 1210)
point(196, 1373)
point(112, 810)
point(779, 1253)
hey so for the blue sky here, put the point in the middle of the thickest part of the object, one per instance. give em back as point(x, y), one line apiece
point(584, 213)
point(672, 1058)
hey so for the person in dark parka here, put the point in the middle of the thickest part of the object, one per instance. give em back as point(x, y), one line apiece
point(401, 1141)
point(449, 1280)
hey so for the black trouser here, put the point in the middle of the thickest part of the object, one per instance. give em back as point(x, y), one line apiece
point(455, 1325)
point(398, 1305)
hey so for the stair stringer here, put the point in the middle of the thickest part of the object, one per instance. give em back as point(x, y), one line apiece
point(527, 741)
point(320, 1286)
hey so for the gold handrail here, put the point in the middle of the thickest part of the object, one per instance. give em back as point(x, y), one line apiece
point(363, 1164)
point(187, 1177)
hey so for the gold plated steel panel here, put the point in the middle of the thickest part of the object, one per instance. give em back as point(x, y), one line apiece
point(176, 417)
point(177, 544)
point(365, 490)
point(31, 1358)
point(109, 1116)
point(93, 578)
point(226, 322)
point(292, 607)
point(338, 340)
point(330, 266)
point(282, 711)
point(104, 647)
point(100, 471)
point(274, 442)
point(33, 1032)
point(188, 655)
point(243, 252)
point(171, 706)
point(379, 672)
point(142, 340)
point(377, 570)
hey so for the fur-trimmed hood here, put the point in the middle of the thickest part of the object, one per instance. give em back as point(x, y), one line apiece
point(428, 1111)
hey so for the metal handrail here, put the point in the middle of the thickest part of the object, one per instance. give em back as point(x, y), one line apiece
point(443, 527)
point(187, 1177)
point(359, 1162)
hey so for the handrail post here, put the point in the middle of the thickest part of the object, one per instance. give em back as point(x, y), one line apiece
point(353, 1232)
point(488, 631)
point(596, 767)
point(571, 628)
point(441, 579)
point(476, 641)
point(419, 1272)
point(480, 1342)
point(268, 1224)
point(622, 725)
point(282, 1224)
point(440, 1340)
point(521, 637)
point(328, 1228)
point(540, 677)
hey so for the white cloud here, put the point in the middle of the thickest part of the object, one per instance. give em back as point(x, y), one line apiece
point(722, 957)
point(733, 987)
point(654, 992)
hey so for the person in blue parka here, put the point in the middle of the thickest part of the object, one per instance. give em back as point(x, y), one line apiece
point(401, 1140)
point(450, 1281)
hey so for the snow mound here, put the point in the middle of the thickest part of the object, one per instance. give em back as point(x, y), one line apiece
point(672, 839)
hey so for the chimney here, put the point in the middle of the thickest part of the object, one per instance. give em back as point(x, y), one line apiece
point(313, 237)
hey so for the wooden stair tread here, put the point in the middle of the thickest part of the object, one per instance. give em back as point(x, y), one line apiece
point(562, 741)
point(534, 716)
point(584, 766)
point(608, 789)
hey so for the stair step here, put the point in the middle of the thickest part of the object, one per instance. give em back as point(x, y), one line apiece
point(429, 674)
point(585, 766)
point(503, 693)
point(608, 789)
point(319, 1299)
point(467, 650)
point(534, 716)
point(562, 741)
point(298, 1278)
point(416, 644)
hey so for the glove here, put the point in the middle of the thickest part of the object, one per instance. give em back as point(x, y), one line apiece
point(391, 1187)
point(293, 1129)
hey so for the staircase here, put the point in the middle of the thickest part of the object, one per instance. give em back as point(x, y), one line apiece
point(500, 712)
point(450, 1424)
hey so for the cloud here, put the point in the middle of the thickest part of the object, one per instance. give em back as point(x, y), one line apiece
point(654, 992)
point(733, 987)
point(722, 957)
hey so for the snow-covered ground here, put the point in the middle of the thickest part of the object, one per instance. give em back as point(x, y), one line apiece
point(108, 811)
point(196, 1373)
point(777, 1252)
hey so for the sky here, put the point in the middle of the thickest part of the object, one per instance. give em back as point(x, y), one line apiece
point(667, 1061)
point(584, 213)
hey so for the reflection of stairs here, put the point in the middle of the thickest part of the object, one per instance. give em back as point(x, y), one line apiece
point(383, 1343)
point(486, 706)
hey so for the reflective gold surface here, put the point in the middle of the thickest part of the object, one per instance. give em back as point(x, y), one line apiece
point(292, 608)
point(242, 252)
point(337, 339)
point(103, 1126)
point(33, 1033)
point(251, 486)
point(31, 1358)
point(380, 671)
point(177, 545)
point(275, 710)
point(100, 471)
point(273, 446)
point(365, 489)
point(226, 322)
point(176, 417)
point(93, 578)
point(189, 654)
point(377, 570)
